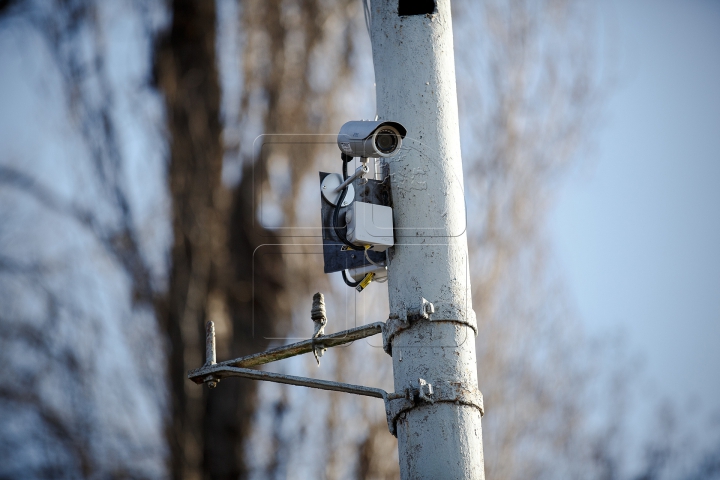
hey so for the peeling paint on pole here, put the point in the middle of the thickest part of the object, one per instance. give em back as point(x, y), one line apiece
point(415, 84)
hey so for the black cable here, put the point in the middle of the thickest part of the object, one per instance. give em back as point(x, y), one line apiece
point(348, 282)
point(336, 212)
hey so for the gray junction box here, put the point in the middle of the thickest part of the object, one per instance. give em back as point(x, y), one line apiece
point(370, 224)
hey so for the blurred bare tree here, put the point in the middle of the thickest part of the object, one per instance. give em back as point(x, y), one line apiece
point(216, 273)
point(529, 97)
point(111, 260)
point(78, 272)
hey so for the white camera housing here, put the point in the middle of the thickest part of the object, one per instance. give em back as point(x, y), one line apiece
point(371, 139)
point(370, 224)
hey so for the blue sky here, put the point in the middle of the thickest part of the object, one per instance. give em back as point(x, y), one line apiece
point(636, 229)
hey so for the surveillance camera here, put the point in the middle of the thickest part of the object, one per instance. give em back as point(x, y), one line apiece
point(371, 139)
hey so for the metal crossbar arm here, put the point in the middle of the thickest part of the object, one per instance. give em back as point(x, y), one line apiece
point(396, 403)
point(287, 351)
point(221, 371)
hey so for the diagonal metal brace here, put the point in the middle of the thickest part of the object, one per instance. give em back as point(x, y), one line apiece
point(294, 349)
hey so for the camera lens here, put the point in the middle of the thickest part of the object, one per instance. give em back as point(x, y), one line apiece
point(386, 141)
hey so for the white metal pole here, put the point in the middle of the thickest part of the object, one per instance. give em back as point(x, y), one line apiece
point(415, 84)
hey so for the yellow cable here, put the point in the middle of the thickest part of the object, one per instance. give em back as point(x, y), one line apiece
point(365, 281)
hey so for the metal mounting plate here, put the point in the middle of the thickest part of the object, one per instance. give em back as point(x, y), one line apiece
point(328, 186)
point(335, 256)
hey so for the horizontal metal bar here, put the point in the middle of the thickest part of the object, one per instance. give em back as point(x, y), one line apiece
point(221, 371)
point(299, 348)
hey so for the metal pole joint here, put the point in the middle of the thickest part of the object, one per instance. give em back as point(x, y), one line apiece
point(425, 310)
point(396, 405)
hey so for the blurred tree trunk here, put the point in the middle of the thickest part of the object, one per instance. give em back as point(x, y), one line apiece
point(187, 75)
point(212, 266)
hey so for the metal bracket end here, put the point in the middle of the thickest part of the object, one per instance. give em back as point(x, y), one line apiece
point(210, 353)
